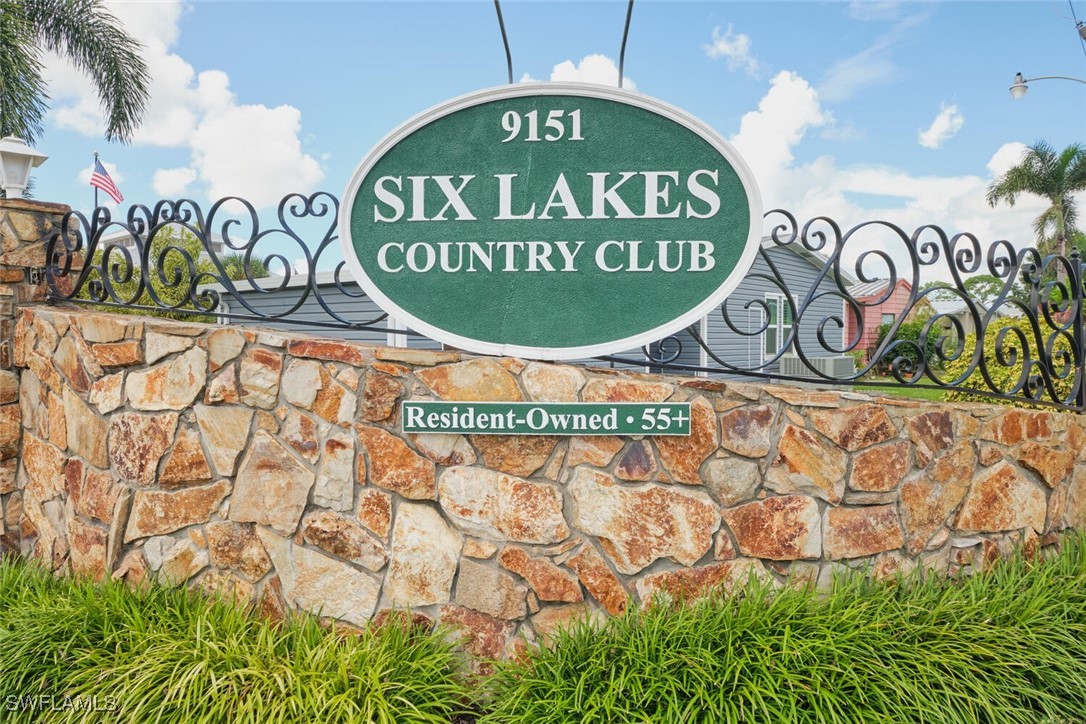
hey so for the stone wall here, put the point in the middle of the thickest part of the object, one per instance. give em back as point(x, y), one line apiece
point(271, 467)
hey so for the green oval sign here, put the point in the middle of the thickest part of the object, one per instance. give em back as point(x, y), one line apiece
point(551, 221)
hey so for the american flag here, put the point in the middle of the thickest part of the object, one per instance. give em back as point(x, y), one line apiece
point(100, 179)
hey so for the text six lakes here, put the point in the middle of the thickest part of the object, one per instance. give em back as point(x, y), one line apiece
point(653, 188)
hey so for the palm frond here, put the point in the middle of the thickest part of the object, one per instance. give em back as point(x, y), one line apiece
point(92, 38)
point(22, 90)
point(1053, 176)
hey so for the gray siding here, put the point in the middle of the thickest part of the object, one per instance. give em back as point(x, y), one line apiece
point(800, 275)
point(354, 309)
point(726, 344)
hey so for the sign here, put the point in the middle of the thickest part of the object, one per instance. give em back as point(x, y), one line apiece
point(550, 221)
point(551, 418)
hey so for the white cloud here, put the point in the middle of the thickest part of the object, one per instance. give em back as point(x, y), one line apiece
point(172, 182)
point(736, 49)
point(874, 9)
point(595, 68)
point(197, 112)
point(1009, 154)
point(260, 172)
point(791, 111)
point(841, 132)
point(767, 136)
point(872, 66)
point(945, 126)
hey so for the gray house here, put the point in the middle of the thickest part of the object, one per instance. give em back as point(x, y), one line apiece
point(756, 299)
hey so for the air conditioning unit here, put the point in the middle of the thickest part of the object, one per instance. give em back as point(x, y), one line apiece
point(837, 367)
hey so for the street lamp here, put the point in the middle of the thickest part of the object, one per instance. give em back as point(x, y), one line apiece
point(16, 160)
point(1019, 88)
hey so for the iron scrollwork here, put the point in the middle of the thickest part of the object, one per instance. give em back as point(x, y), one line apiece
point(138, 264)
point(173, 258)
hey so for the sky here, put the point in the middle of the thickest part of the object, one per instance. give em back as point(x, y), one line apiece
point(895, 111)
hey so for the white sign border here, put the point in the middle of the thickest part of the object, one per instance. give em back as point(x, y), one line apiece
point(585, 90)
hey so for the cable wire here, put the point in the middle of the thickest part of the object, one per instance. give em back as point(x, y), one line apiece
point(505, 41)
point(1078, 27)
point(626, 34)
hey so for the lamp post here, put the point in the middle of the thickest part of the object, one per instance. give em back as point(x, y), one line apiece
point(16, 160)
point(1019, 88)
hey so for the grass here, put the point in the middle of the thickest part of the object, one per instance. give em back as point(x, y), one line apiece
point(1005, 645)
point(169, 655)
point(916, 393)
point(1008, 645)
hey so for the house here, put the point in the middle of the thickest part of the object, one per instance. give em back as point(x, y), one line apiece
point(779, 271)
point(124, 239)
point(881, 305)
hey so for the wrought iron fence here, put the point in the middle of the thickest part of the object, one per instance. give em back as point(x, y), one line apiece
point(1024, 343)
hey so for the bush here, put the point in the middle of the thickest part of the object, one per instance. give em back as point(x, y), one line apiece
point(169, 264)
point(170, 655)
point(908, 332)
point(972, 389)
point(1007, 645)
point(1004, 645)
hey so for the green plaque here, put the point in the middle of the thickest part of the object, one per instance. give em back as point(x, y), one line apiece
point(548, 418)
point(550, 221)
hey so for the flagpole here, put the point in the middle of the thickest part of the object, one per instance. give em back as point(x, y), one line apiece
point(95, 188)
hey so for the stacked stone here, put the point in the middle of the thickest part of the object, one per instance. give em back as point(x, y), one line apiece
point(271, 468)
point(24, 227)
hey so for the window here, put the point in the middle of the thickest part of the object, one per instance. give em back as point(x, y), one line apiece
point(887, 318)
point(779, 330)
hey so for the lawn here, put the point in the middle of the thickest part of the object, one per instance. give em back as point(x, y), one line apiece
point(1005, 645)
point(916, 393)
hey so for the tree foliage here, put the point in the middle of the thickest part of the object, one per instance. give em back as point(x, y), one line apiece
point(982, 288)
point(909, 334)
point(91, 38)
point(1005, 377)
point(171, 274)
point(1055, 177)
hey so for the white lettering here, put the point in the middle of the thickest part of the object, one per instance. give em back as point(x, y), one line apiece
point(413, 257)
point(635, 248)
point(601, 254)
point(563, 249)
point(510, 247)
point(476, 252)
point(387, 197)
point(418, 198)
point(505, 198)
point(539, 254)
point(536, 418)
point(701, 256)
point(661, 254)
point(704, 193)
point(382, 257)
point(603, 195)
point(452, 194)
point(654, 194)
point(565, 200)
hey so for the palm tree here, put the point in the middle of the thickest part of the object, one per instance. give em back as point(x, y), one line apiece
point(236, 269)
point(88, 35)
point(1052, 176)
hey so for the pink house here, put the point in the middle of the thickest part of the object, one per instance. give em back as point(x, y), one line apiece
point(874, 315)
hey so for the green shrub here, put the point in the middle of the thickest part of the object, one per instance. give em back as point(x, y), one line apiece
point(907, 332)
point(1004, 645)
point(169, 266)
point(169, 655)
point(1008, 645)
point(1004, 377)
